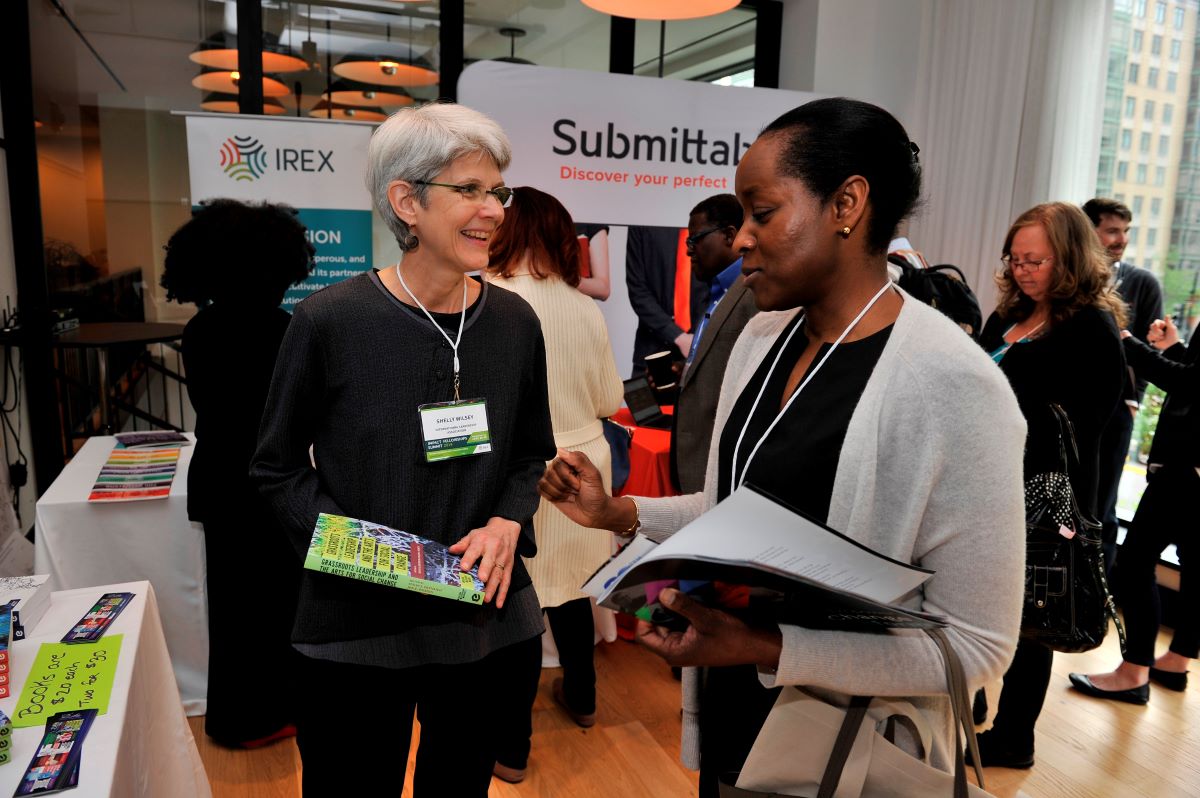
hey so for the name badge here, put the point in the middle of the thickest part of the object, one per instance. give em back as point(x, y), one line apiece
point(455, 429)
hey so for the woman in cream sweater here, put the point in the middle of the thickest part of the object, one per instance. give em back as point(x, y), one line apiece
point(535, 254)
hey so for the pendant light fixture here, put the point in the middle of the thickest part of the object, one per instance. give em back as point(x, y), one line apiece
point(513, 34)
point(323, 110)
point(363, 95)
point(226, 82)
point(387, 69)
point(228, 104)
point(220, 51)
point(661, 9)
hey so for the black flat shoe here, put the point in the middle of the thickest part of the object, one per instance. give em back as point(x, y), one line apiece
point(993, 754)
point(1172, 680)
point(1134, 695)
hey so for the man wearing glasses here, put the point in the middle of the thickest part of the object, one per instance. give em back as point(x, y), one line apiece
point(1142, 295)
point(711, 230)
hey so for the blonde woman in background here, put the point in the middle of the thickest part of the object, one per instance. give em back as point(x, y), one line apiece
point(535, 254)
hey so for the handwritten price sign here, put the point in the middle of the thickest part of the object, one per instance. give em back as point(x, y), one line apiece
point(68, 677)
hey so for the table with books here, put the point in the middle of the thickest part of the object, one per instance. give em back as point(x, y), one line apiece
point(81, 543)
point(140, 743)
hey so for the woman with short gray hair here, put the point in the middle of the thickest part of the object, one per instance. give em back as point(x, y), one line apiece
point(367, 367)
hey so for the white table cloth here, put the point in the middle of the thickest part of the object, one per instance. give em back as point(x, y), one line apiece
point(142, 746)
point(80, 544)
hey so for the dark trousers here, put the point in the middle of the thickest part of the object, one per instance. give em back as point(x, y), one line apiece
point(355, 733)
point(250, 620)
point(1112, 452)
point(1024, 693)
point(1165, 515)
point(575, 637)
point(733, 708)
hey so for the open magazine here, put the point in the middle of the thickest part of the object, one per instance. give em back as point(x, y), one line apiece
point(764, 561)
point(376, 553)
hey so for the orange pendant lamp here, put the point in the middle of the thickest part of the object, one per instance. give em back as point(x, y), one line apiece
point(362, 95)
point(346, 113)
point(226, 82)
point(228, 104)
point(220, 51)
point(661, 9)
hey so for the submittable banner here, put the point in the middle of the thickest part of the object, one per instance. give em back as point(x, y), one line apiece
point(314, 165)
point(621, 149)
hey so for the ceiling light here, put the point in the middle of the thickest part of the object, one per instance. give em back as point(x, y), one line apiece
point(661, 9)
point(322, 111)
point(386, 70)
point(226, 82)
point(364, 95)
point(219, 51)
point(228, 104)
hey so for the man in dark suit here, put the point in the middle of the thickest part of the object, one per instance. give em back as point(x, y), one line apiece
point(1143, 299)
point(711, 229)
point(667, 301)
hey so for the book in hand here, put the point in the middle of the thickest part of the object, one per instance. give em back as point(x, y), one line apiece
point(371, 552)
point(754, 556)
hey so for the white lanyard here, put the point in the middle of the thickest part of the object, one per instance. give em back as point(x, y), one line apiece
point(461, 321)
point(736, 483)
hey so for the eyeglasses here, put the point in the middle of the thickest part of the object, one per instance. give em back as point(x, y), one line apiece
point(690, 241)
point(473, 192)
point(1031, 266)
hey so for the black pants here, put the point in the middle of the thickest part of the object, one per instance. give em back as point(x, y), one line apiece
point(733, 708)
point(1113, 451)
point(354, 734)
point(1165, 515)
point(1024, 693)
point(575, 637)
point(250, 621)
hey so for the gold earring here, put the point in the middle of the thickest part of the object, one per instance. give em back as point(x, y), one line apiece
point(845, 232)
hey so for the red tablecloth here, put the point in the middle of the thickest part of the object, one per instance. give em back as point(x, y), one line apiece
point(649, 458)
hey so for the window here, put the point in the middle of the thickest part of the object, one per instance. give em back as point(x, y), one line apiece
point(1175, 46)
point(1133, 73)
point(1123, 170)
point(1152, 236)
point(1168, 113)
point(1164, 146)
point(1160, 12)
point(1119, 197)
point(1137, 204)
point(1141, 174)
point(1144, 143)
point(1130, 107)
point(1172, 80)
point(1156, 45)
point(1178, 17)
point(1137, 41)
point(1152, 77)
point(1133, 236)
point(1160, 175)
point(1139, 8)
point(1126, 139)
point(1148, 111)
point(1156, 207)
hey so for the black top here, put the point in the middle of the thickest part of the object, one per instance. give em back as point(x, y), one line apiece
point(798, 461)
point(1176, 371)
point(1078, 365)
point(229, 354)
point(353, 368)
point(1143, 298)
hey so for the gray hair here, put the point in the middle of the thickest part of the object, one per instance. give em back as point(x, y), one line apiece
point(416, 144)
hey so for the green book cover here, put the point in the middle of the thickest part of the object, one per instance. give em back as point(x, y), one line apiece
point(370, 552)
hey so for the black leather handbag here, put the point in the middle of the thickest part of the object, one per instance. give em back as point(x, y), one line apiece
point(1067, 603)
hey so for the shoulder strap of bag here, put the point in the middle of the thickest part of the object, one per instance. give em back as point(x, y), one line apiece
point(855, 714)
point(960, 704)
point(1066, 435)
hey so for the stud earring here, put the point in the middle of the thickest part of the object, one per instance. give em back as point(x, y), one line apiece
point(844, 232)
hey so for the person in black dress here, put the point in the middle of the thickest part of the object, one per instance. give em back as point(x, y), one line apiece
point(1055, 336)
point(235, 261)
point(1173, 482)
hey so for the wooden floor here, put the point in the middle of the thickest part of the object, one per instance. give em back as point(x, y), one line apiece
point(1086, 748)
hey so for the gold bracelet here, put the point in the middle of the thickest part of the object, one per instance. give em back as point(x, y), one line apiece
point(637, 523)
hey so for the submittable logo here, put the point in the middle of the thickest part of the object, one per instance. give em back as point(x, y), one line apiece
point(245, 158)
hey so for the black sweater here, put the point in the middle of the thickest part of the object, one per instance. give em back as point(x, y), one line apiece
point(1078, 365)
point(353, 368)
point(1176, 371)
